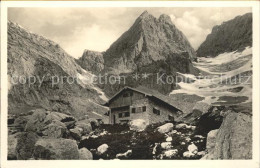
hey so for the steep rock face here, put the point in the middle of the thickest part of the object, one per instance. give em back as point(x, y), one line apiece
point(149, 40)
point(235, 34)
point(58, 83)
point(91, 61)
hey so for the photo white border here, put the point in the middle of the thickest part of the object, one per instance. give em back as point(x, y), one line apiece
point(254, 163)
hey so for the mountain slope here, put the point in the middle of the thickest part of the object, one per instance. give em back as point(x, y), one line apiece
point(235, 34)
point(60, 83)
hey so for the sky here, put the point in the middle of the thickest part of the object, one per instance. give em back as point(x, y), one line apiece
point(77, 29)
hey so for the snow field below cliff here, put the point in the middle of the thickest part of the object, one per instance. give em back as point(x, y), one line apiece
point(229, 87)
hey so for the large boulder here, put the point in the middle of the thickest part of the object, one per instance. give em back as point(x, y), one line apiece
point(60, 117)
point(12, 144)
point(20, 122)
point(165, 128)
point(85, 154)
point(211, 140)
point(76, 133)
point(181, 126)
point(85, 125)
point(233, 139)
point(37, 121)
point(46, 123)
point(68, 120)
point(56, 149)
point(138, 125)
point(55, 129)
point(25, 145)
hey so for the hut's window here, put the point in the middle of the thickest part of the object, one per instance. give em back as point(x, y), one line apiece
point(133, 110)
point(144, 108)
point(156, 111)
point(127, 114)
point(139, 109)
point(120, 115)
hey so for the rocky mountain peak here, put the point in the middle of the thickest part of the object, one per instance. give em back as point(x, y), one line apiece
point(232, 35)
point(149, 40)
point(144, 14)
point(165, 19)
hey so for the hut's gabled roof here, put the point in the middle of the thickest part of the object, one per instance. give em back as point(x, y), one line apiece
point(149, 93)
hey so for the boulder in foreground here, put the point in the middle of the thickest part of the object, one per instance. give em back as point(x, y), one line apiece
point(165, 128)
point(138, 125)
point(56, 149)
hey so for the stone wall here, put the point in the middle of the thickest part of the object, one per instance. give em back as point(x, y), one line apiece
point(164, 113)
point(140, 115)
point(137, 115)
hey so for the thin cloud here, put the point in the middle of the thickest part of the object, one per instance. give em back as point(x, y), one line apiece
point(77, 29)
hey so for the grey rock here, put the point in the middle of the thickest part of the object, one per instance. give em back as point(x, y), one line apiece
point(25, 145)
point(55, 129)
point(85, 125)
point(76, 133)
point(85, 154)
point(12, 144)
point(36, 122)
point(56, 149)
point(211, 140)
point(165, 128)
point(102, 149)
point(234, 138)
